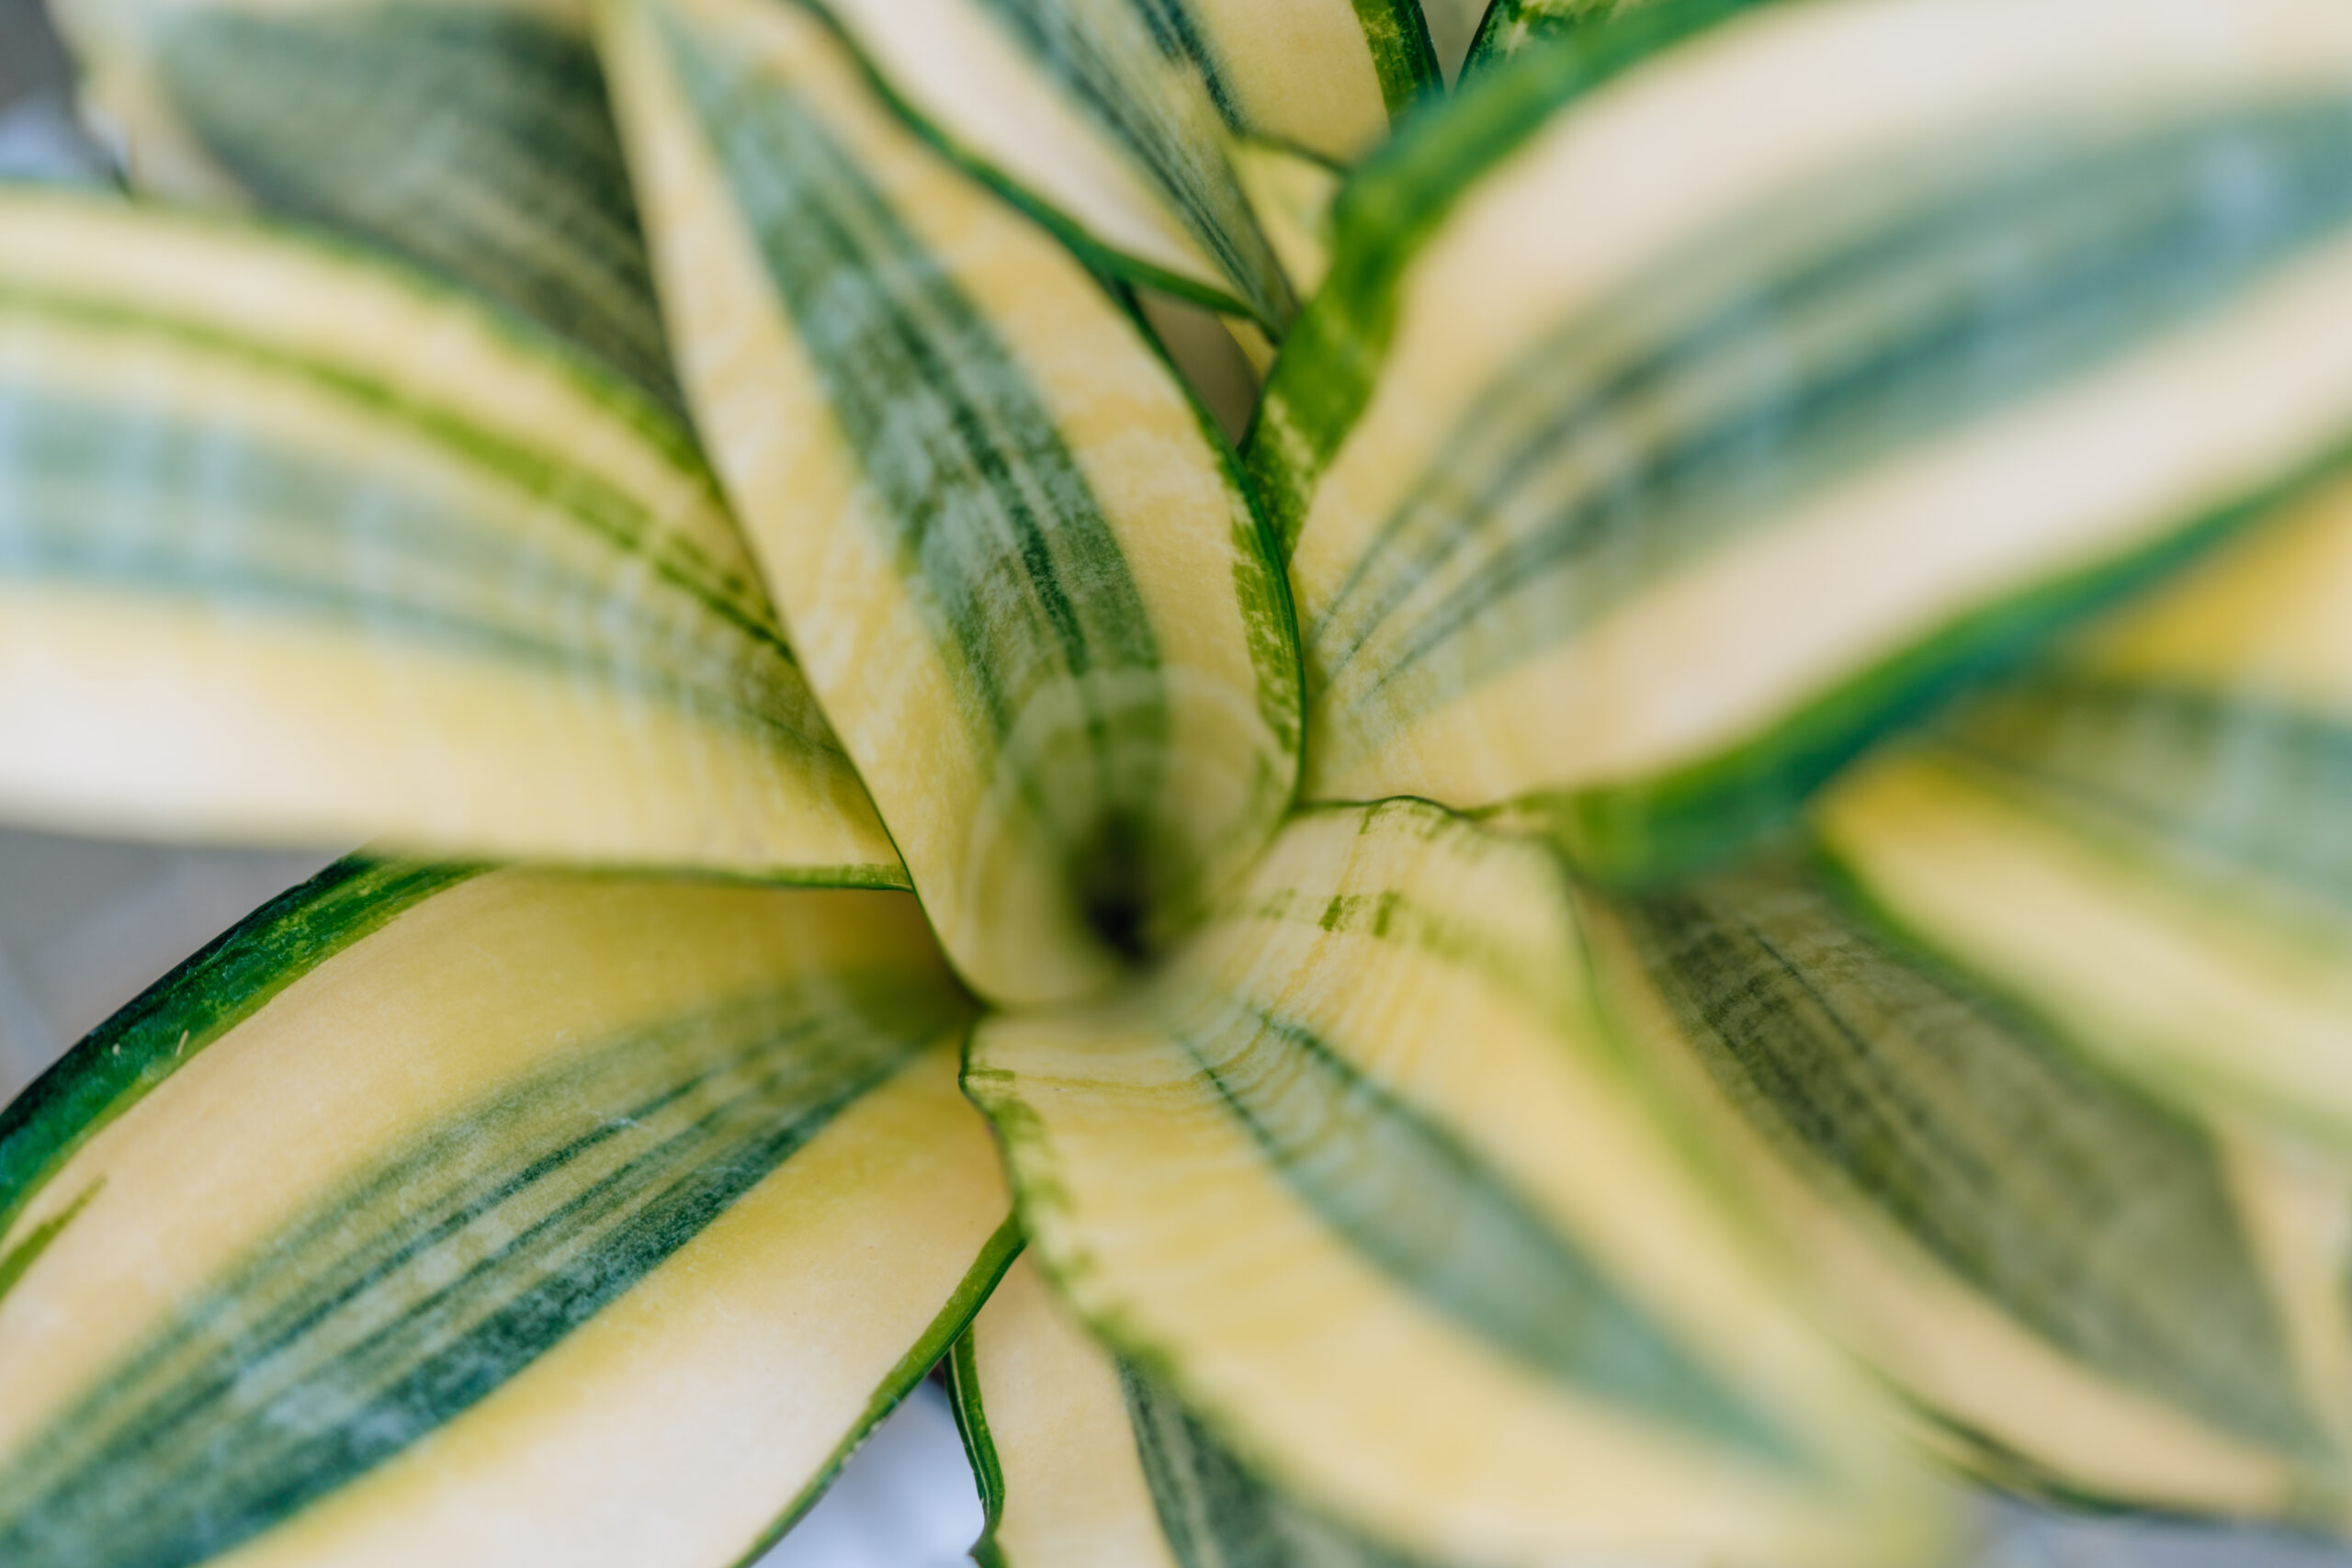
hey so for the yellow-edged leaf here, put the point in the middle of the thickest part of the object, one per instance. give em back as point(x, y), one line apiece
point(295, 548)
point(1360, 1177)
point(1017, 562)
point(1637, 476)
point(456, 1217)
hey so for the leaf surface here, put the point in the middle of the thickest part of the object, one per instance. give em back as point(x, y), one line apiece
point(1637, 476)
point(1089, 1460)
point(471, 138)
point(2144, 838)
point(1361, 1180)
point(1111, 118)
point(1017, 562)
point(486, 1217)
point(2084, 1287)
point(293, 547)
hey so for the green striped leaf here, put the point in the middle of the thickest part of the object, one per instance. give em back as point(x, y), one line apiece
point(293, 547)
point(1017, 561)
point(1726, 468)
point(2082, 1286)
point(2144, 838)
point(1360, 1177)
point(439, 1215)
point(1086, 1459)
point(1110, 119)
point(471, 138)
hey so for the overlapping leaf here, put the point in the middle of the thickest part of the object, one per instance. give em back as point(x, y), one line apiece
point(471, 138)
point(1086, 1459)
point(2145, 837)
point(1016, 561)
point(1360, 1177)
point(1111, 118)
point(2088, 1290)
point(485, 1218)
point(294, 546)
point(1636, 476)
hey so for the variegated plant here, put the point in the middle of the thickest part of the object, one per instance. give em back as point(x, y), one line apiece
point(1719, 864)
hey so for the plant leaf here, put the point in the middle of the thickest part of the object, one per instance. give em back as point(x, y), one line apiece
point(468, 1217)
point(2102, 1292)
point(1724, 454)
point(1017, 561)
point(1292, 195)
point(1086, 1459)
point(2144, 838)
point(294, 547)
point(1359, 1178)
point(1511, 26)
point(471, 138)
point(1110, 119)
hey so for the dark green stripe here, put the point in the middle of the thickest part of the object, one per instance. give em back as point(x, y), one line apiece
point(176, 504)
point(2098, 1221)
point(1434, 1216)
point(1214, 1512)
point(1718, 394)
point(474, 140)
point(430, 1281)
point(225, 983)
point(1004, 546)
point(2222, 787)
point(1143, 74)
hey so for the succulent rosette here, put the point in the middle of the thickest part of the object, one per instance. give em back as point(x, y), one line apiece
point(1699, 895)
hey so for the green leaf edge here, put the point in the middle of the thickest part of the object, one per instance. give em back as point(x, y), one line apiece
point(226, 982)
point(946, 1331)
point(979, 1444)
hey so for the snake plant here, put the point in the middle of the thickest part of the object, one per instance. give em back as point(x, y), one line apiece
point(1701, 897)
